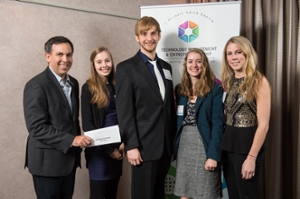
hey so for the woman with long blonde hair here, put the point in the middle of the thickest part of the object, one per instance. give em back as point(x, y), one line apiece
point(98, 110)
point(247, 110)
point(200, 121)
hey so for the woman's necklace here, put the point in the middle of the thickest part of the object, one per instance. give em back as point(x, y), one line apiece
point(193, 98)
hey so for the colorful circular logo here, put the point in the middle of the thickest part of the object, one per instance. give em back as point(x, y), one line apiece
point(188, 31)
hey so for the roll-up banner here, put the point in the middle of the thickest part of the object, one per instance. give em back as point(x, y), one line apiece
point(207, 26)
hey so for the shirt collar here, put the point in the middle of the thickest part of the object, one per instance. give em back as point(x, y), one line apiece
point(59, 79)
point(145, 58)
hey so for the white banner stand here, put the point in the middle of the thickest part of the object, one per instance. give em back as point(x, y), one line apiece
point(207, 26)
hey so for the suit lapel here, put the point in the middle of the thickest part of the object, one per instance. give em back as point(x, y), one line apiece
point(168, 83)
point(56, 86)
point(73, 98)
point(146, 74)
point(198, 103)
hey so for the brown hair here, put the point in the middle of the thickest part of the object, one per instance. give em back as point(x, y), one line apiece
point(206, 81)
point(97, 84)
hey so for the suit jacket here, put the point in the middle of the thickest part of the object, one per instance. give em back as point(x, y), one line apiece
point(209, 119)
point(146, 121)
point(52, 126)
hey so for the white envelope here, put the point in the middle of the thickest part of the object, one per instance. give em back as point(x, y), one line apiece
point(102, 136)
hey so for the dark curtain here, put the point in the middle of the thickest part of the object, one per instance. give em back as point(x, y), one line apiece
point(273, 28)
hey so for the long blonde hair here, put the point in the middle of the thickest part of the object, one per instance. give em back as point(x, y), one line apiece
point(97, 83)
point(252, 78)
point(206, 81)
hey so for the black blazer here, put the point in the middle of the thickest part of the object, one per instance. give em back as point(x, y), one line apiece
point(146, 121)
point(92, 118)
point(52, 126)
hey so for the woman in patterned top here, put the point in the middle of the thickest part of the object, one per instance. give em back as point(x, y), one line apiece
point(247, 111)
point(200, 121)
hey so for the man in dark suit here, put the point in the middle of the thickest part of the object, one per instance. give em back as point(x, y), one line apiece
point(51, 106)
point(146, 112)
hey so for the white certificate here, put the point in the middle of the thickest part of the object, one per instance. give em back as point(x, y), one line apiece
point(102, 136)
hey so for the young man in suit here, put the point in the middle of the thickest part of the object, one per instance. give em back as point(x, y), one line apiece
point(51, 106)
point(146, 112)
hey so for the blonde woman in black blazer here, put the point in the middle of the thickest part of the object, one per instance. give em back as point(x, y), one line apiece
point(98, 110)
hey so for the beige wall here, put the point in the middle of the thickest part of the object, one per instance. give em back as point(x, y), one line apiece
point(24, 28)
